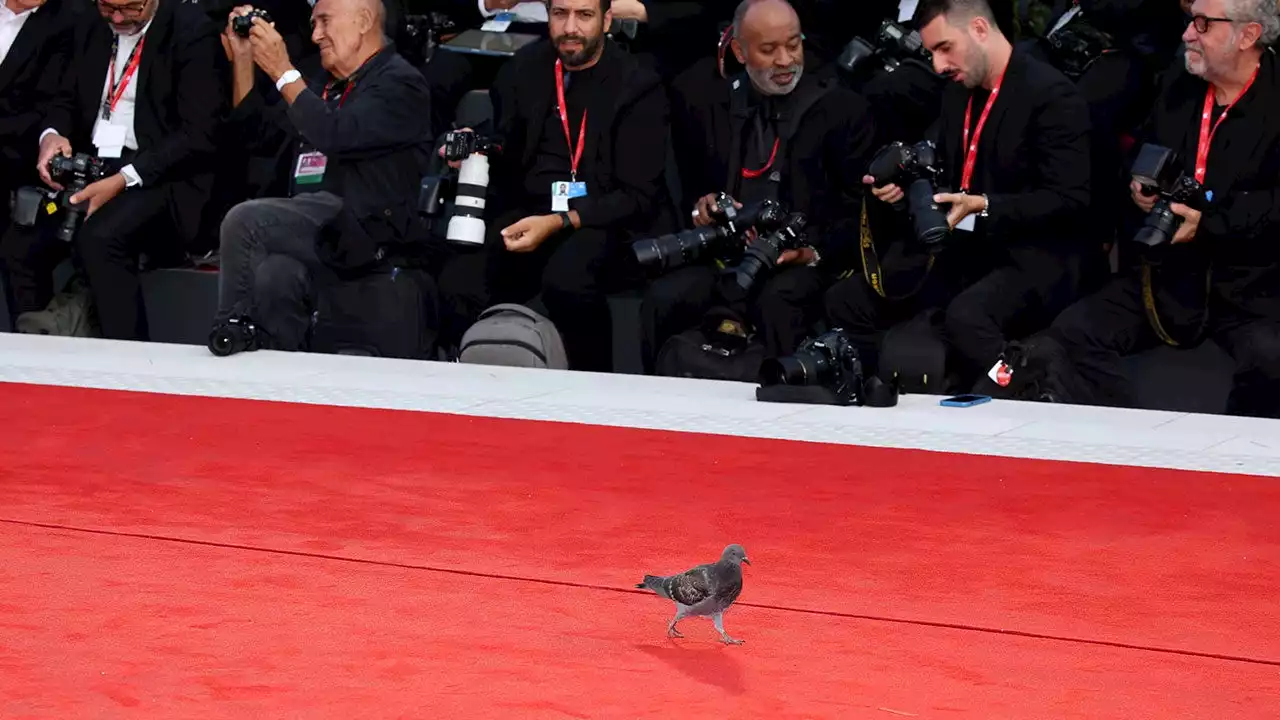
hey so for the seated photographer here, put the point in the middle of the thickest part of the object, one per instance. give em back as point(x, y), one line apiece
point(132, 131)
point(773, 133)
point(1216, 223)
point(361, 124)
point(994, 232)
point(569, 187)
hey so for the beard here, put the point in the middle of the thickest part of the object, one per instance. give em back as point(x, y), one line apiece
point(978, 64)
point(577, 58)
point(763, 80)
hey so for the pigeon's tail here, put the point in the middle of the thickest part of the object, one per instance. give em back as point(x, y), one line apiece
point(655, 583)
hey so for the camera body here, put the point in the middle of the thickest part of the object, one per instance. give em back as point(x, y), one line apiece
point(893, 45)
point(668, 252)
point(762, 252)
point(824, 370)
point(236, 334)
point(1159, 170)
point(914, 168)
point(74, 174)
point(467, 225)
point(242, 24)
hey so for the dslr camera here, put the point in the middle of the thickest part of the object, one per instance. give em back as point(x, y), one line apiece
point(242, 24)
point(668, 252)
point(467, 225)
point(236, 334)
point(762, 252)
point(74, 174)
point(824, 370)
point(1159, 170)
point(914, 168)
point(893, 45)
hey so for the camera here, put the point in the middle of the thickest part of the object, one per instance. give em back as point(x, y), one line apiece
point(1159, 170)
point(1074, 48)
point(237, 333)
point(242, 24)
point(915, 169)
point(668, 252)
point(467, 225)
point(418, 35)
point(74, 174)
point(763, 251)
point(824, 370)
point(894, 44)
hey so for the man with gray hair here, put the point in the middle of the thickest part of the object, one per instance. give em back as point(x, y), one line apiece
point(1218, 269)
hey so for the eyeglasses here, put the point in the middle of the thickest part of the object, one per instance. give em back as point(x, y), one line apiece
point(1202, 22)
point(132, 9)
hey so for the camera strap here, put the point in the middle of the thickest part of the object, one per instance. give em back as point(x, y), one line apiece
point(1153, 315)
point(873, 273)
point(575, 154)
point(971, 148)
point(116, 89)
point(1206, 134)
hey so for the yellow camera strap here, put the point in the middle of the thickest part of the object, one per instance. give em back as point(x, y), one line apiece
point(1153, 313)
point(871, 269)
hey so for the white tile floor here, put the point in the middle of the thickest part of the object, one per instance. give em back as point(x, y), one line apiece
point(1122, 437)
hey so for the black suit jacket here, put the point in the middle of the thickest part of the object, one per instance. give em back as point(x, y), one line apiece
point(29, 78)
point(1033, 159)
point(1239, 230)
point(823, 162)
point(626, 143)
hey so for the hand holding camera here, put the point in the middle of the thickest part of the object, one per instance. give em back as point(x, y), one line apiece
point(708, 210)
point(1169, 196)
point(51, 146)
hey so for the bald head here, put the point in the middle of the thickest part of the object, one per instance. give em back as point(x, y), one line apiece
point(768, 41)
point(348, 33)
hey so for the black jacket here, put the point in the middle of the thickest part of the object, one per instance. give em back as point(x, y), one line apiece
point(1239, 230)
point(180, 98)
point(377, 146)
point(1033, 158)
point(29, 78)
point(626, 143)
point(821, 165)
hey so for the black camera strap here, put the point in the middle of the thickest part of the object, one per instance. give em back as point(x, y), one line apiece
point(873, 273)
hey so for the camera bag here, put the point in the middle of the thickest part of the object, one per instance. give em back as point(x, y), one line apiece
point(513, 336)
point(723, 348)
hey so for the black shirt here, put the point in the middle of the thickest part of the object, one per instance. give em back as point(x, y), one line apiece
point(551, 162)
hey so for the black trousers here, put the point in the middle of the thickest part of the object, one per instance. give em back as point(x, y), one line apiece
point(785, 306)
point(1098, 331)
point(574, 271)
point(107, 246)
point(1015, 297)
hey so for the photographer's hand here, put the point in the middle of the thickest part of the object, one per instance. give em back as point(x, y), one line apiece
point(99, 193)
point(1190, 223)
point(53, 144)
point(889, 193)
point(704, 210)
point(270, 53)
point(528, 234)
point(962, 206)
point(455, 164)
point(238, 49)
point(799, 256)
point(1145, 202)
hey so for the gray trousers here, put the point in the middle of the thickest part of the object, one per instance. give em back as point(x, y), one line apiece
point(267, 260)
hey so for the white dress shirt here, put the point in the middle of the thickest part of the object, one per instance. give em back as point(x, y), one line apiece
point(10, 25)
point(525, 12)
point(123, 113)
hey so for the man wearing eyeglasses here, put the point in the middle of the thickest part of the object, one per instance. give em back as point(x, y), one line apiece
point(1217, 275)
point(141, 93)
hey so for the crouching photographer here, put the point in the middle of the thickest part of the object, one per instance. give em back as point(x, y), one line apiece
point(782, 152)
point(338, 265)
point(1205, 181)
point(988, 234)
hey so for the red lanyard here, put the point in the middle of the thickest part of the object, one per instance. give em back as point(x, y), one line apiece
point(753, 174)
point(324, 96)
point(574, 155)
point(1206, 135)
point(971, 151)
point(116, 90)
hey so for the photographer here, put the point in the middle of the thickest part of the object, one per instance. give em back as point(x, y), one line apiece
point(1221, 117)
point(582, 127)
point(772, 133)
point(1013, 146)
point(142, 94)
point(362, 128)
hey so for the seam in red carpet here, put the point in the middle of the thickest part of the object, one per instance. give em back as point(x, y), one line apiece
point(629, 590)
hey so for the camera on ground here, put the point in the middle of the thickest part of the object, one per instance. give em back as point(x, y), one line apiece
point(915, 169)
point(824, 370)
point(235, 334)
point(1159, 171)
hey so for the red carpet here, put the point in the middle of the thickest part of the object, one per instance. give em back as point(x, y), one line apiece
point(185, 557)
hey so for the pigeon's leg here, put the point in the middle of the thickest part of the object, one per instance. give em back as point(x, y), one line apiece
point(671, 626)
point(718, 618)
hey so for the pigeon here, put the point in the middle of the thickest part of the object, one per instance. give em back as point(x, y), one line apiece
point(706, 590)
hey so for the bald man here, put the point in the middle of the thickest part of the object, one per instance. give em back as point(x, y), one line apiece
point(773, 132)
point(362, 129)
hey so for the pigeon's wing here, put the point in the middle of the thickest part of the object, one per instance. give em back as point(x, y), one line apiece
point(691, 587)
point(729, 587)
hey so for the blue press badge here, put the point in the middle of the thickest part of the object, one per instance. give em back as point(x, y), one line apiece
point(563, 192)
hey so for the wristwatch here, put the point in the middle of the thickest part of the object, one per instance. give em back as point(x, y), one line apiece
point(288, 77)
point(986, 206)
point(565, 222)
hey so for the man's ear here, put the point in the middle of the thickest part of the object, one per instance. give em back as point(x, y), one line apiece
point(1249, 36)
point(980, 28)
point(738, 52)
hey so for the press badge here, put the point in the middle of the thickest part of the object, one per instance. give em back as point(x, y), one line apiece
point(966, 224)
point(109, 139)
point(310, 169)
point(563, 192)
point(499, 23)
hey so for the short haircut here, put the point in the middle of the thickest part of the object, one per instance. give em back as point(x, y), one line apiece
point(955, 11)
point(605, 5)
point(1263, 12)
point(740, 14)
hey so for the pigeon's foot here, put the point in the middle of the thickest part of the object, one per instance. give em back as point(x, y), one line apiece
point(730, 640)
point(672, 632)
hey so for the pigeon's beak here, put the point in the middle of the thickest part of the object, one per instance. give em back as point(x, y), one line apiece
point(745, 560)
